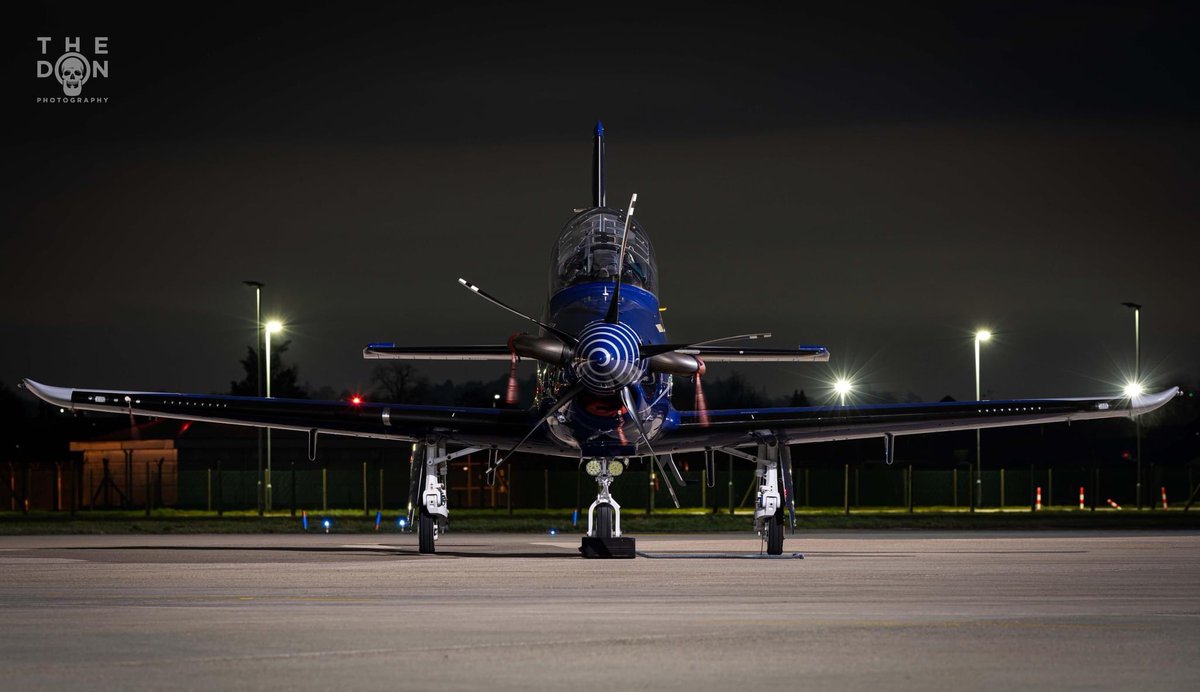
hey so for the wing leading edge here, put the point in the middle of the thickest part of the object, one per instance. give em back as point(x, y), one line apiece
point(732, 428)
point(461, 425)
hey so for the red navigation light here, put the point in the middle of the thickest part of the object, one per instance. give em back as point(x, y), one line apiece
point(356, 400)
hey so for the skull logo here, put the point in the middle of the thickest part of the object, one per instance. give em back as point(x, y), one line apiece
point(72, 72)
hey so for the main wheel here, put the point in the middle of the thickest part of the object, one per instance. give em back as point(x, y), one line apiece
point(775, 534)
point(425, 532)
point(604, 521)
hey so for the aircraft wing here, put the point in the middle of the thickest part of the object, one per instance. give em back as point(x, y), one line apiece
point(391, 351)
point(733, 354)
point(740, 427)
point(455, 424)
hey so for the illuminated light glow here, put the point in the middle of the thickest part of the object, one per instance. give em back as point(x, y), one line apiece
point(842, 386)
point(274, 327)
point(615, 468)
point(356, 400)
point(983, 335)
point(553, 532)
point(1133, 389)
point(402, 522)
point(593, 467)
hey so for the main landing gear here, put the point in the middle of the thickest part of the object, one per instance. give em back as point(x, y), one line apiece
point(775, 499)
point(604, 539)
point(427, 491)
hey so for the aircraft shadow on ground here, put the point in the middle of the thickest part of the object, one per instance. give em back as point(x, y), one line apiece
point(326, 549)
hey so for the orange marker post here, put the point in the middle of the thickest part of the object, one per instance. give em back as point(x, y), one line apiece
point(1038, 503)
point(1113, 504)
point(1164, 496)
point(1081, 497)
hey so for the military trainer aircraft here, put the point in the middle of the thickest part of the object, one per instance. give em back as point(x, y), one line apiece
point(603, 393)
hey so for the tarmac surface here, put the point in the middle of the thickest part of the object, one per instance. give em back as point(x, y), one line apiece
point(894, 610)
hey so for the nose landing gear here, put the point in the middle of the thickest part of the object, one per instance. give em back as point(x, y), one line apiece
point(604, 539)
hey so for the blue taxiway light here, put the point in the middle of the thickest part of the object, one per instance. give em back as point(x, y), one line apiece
point(553, 532)
point(402, 522)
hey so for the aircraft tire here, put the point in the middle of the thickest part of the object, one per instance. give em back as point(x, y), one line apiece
point(604, 521)
point(425, 533)
point(775, 534)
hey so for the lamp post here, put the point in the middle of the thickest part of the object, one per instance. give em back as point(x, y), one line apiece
point(258, 350)
point(842, 387)
point(1136, 390)
point(980, 336)
point(272, 327)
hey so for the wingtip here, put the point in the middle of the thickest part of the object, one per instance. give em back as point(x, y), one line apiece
point(1148, 402)
point(59, 396)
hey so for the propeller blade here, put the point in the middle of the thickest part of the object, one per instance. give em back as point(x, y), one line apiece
point(789, 495)
point(631, 409)
point(572, 392)
point(652, 350)
point(667, 481)
point(675, 470)
point(565, 337)
point(614, 316)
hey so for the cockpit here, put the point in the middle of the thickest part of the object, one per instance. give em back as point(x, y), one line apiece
point(588, 248)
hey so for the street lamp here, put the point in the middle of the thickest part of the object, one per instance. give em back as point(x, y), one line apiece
point(1135, 389)
point(981, 336)
point(842, 387)
point(272, 327)
point(258, 350)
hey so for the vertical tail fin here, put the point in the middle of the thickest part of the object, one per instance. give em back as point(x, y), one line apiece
point(599, 195)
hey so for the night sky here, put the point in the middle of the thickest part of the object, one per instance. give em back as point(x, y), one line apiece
point(879, 181)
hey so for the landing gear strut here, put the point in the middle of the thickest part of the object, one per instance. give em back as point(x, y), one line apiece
point(434, 508)
point(604, 539)
point(427, 492)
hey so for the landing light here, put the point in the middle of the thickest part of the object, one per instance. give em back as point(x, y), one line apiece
point(615, 468)
point(1134, 389)
point(593, 467)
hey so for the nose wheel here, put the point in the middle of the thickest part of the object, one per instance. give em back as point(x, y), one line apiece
point(604, 539)
point(603, 527)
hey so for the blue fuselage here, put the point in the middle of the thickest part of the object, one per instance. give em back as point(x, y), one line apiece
point(593, 422)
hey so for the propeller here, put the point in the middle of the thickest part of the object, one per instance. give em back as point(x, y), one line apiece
point(566, 398)
point(614, 316)
point(565, 337)
point(605, 357)
point(631, 410)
